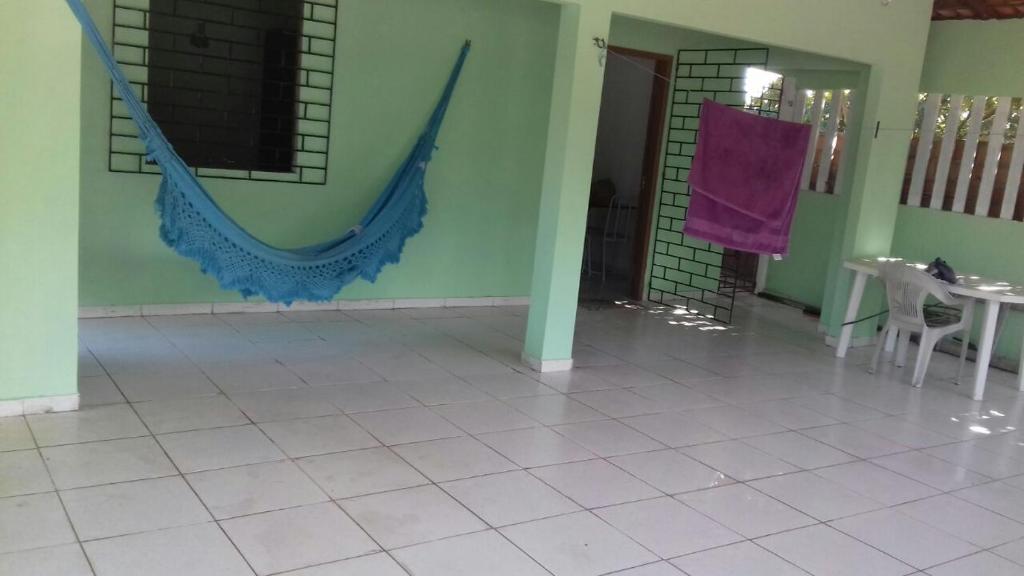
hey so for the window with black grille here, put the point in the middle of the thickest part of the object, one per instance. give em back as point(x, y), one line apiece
point(223, 80)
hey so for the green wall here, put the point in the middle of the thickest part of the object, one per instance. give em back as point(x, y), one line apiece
point(565, 189)
point(39, 148)
point(889, 38)
point(800, 276)
point(974, 58)
point(970, 243)
point(392, 59)
point(481, 177)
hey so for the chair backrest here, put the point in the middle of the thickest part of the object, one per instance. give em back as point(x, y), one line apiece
point(906, 289)
point(616, 226)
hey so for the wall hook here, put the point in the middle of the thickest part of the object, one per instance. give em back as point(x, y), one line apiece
point(602, 46)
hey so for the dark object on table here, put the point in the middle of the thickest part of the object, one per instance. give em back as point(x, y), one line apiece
point(941, 271)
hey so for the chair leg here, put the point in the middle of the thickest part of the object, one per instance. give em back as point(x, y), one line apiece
point(586, 256)
point(1020, 370)
point(590, 256)
point(964, 346)
point(604, 260)
point(878, 348)
point(902, 344)
point(924, 356)
point(890, 340)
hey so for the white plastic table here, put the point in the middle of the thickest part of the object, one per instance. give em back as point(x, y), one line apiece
point(993, 293)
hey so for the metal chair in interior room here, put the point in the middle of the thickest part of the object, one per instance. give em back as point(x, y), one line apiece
point(601, 194)
point(906, 290)
point(617, 230)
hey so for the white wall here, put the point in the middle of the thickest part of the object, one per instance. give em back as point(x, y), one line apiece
point(622, 130)
point(622, 133)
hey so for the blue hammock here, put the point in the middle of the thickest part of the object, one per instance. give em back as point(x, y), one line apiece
point(194, 225)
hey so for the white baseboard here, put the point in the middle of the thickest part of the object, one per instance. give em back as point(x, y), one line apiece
point(468, 302)
point(39, 405)
point(859, 342)
point(416, 303)
point(512, 301)
point(245, 307)
point(109, 311)
point(544, 366)
point(311, 306)
point(176, 309)
point(265, 307)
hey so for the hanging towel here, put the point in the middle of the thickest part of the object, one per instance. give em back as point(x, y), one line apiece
point(744, 179)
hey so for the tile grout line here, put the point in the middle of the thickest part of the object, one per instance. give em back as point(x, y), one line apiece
point(802, 469)
point(60, 499)
point(180, 474)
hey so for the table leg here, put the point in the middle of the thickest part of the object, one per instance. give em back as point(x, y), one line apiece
point(1020, 371)
point(988, 336)
point(852, 308)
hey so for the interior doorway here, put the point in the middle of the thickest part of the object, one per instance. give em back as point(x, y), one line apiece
point(625, 176)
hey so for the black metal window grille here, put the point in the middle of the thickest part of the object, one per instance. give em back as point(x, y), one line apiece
point(688, 272)
point(268, 114)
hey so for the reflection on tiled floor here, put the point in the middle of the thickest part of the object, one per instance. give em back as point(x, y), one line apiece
point(383, 443)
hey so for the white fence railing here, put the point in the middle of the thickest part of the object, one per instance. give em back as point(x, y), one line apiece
point(967, 156)
point(828, 111)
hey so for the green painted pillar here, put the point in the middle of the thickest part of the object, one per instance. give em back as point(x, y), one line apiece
point(40, 113)
point(572, 134)
point(887, 112)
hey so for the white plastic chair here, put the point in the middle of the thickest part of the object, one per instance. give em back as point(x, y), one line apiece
point(906, 289)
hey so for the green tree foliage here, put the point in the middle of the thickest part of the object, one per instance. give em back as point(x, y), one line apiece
point(964, 117)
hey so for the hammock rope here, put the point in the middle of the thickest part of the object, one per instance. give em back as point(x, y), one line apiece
point(194, 225)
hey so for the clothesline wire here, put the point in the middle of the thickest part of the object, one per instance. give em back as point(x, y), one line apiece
point(637, 65)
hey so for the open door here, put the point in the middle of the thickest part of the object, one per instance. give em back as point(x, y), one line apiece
point(626, 170)
point(652, 165)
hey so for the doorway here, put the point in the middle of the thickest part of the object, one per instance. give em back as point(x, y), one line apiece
point(625, 175)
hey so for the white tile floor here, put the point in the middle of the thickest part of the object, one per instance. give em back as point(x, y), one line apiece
point(382, 443)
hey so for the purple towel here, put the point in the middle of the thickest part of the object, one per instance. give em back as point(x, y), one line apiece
point(744, 179)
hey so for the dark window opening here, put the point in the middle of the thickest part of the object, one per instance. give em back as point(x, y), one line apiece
point(223, 80)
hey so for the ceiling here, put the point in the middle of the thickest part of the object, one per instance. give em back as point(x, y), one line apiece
point(977, 9)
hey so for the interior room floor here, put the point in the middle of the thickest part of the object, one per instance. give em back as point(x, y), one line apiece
point(612, 288)
point(384, 443)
